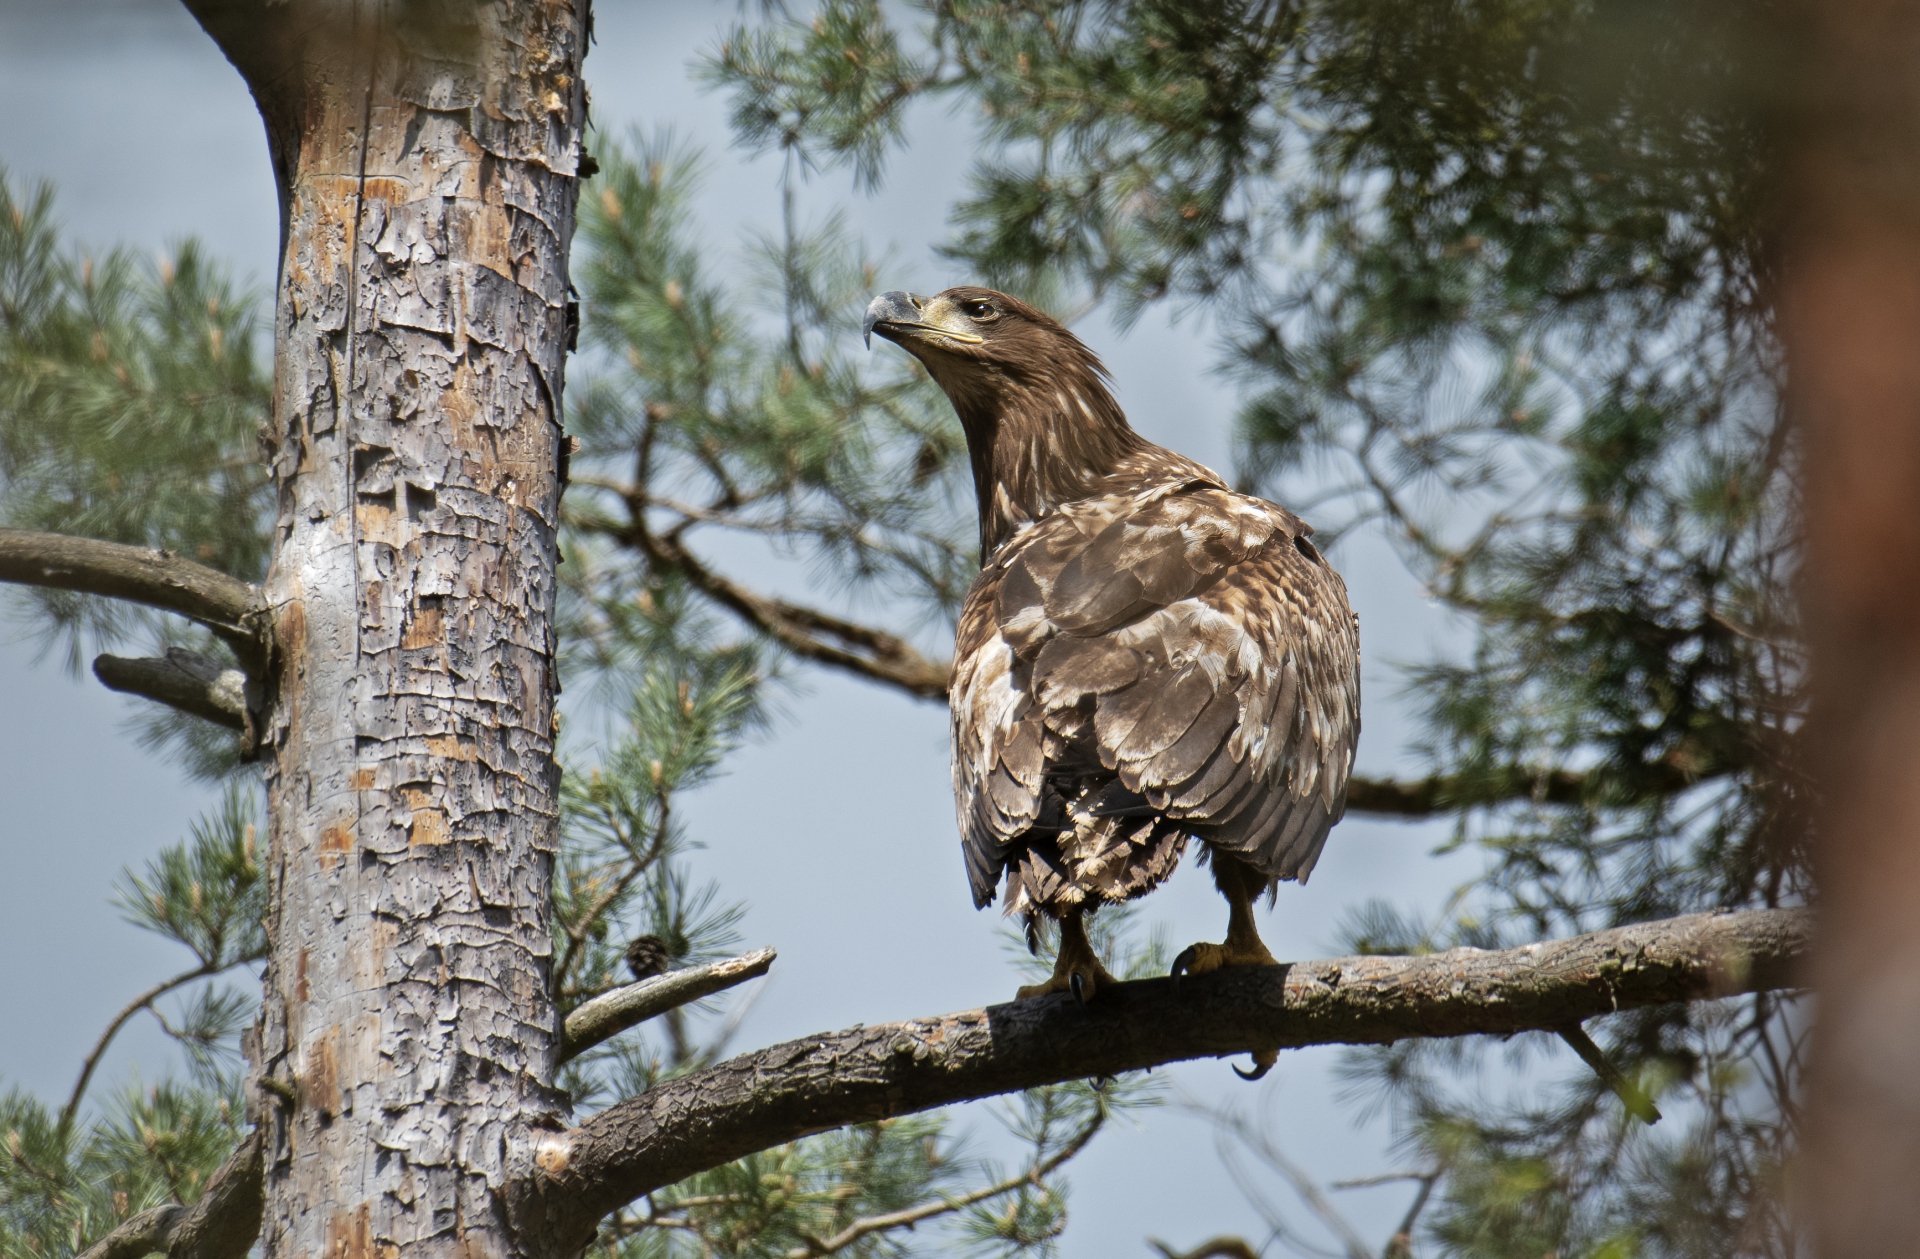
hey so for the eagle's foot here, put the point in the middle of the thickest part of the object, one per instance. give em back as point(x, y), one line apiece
point(1199, 959)
point(1077, 969)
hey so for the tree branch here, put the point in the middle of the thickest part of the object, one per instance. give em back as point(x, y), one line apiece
point(1451, 793)
point(138, 1237)
point(181, 679)
point(758, 1100)
point(614, 1012)
point(1218, 1248)
point(160, 579)
point(222, 1223)
point(72, 1109)
point(911, 1216)
point(862, 650)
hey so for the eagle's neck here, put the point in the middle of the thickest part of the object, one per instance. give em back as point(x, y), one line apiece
point(1037, 441)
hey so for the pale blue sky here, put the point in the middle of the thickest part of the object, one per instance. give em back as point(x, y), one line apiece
point(150, 136)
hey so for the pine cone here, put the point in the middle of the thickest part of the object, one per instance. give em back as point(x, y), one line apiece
point(647, 957)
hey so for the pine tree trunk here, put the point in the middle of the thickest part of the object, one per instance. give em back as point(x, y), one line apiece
point(427, 156)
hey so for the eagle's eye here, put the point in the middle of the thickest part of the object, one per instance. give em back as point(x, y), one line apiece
point(978, 311)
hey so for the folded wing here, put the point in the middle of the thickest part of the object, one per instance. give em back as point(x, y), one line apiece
point(1183, 653)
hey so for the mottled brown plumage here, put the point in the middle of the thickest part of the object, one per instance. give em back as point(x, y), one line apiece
point(1146, 656)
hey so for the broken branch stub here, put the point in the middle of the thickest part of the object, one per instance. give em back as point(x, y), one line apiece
point(614, 1012)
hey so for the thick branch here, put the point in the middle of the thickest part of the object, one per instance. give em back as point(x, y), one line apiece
point(1440, 793)
point(222, 1223)
point(159, 579)
point(614, 1012)
point(762, 1099)
point(142, 1235)
point(181, 679)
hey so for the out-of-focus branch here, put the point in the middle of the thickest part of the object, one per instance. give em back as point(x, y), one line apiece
point(614, 1012)
point(882, 657)
point(181, 679)
point(160, 579)
point(759, 1100)
point(1217, 1248)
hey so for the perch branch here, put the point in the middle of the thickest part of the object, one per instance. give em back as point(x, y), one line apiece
point(761, 1099)
point(234, 609)
point(614, 1012)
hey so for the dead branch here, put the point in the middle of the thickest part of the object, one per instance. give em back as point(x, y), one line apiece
point(186, 680)
point(614, 1012)
point(758, 1100)
point(234, 609)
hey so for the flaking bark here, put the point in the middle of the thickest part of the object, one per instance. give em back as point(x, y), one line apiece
point(784, 1092)
point(426, 153)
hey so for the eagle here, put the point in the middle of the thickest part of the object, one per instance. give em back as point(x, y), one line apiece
point(1146, 658)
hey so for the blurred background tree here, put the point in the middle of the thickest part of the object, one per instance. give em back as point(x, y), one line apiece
point(1491, 280)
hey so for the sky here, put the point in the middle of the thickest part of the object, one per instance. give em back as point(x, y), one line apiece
point(149, 136)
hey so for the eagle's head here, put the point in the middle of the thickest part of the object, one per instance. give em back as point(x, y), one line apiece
point(973, 323)
point(1042, 426)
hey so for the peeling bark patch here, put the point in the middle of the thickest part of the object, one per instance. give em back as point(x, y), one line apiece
point(427, 628)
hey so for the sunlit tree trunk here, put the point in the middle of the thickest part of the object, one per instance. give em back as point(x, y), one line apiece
point(427, 158)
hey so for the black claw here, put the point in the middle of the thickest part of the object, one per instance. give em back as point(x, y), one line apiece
point(1079, 986)
point(1260, 1069)
point(1181, 965)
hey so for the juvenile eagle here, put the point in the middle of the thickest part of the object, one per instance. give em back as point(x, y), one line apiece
point(1146, 656)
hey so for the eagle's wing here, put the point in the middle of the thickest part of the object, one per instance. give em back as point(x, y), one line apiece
point(1189, 637)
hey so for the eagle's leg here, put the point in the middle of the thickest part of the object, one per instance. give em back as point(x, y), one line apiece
point(1239, 883)
point(1077, 969)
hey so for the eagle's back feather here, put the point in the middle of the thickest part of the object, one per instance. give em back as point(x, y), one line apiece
point(1162, 659)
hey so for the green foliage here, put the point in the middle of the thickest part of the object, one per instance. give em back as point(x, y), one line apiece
point(58, 1191)
point(696, 418)
point(130, 401)
point(207, 892)
point(130, 405)
point(68, 1177)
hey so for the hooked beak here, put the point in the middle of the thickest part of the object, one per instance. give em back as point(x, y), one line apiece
point(902, 316)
